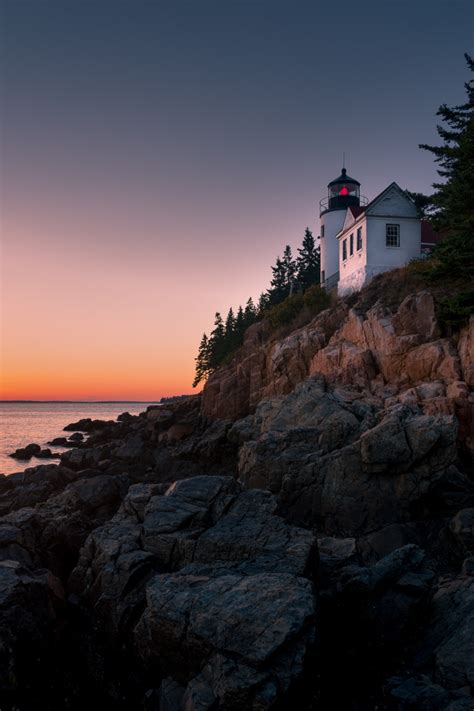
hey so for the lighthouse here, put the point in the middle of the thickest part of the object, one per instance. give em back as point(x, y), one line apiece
point(343, 192)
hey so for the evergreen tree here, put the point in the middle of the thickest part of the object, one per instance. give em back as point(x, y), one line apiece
point(217, 343)
point(308, 261)
point(289, 265)
point(279, 284)
point(453, 198)
point(202, 361)
point(240, 327)
point(229, 325)
point(423, 203)
point(250, 313)
point(263, 303)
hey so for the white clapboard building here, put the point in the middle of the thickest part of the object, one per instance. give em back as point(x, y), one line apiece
point(360, 239)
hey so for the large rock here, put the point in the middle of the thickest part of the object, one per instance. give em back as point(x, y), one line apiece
point(52, 533)
point(229, 608)
point(266, 367)
point(462, 527)
point(451, 633)
point(28, 607)
point(343, 466)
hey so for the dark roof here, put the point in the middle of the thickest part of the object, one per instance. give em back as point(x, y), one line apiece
point(428, 235)
point(357, 210)
point(343, 178)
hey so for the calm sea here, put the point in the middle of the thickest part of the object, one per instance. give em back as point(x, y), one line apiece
point(24, 422)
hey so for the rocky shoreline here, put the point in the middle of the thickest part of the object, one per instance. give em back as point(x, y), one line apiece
point(299, 536)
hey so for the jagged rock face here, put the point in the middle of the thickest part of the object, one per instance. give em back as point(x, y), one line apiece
point(52, 533)
point(383, 354)
point(27, 614)
point(263, 368)
point(449, 640)
point(348, 466)
point(228, 607)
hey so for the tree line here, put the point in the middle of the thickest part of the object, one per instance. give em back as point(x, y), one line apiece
point(450, 208)
point(290, 275)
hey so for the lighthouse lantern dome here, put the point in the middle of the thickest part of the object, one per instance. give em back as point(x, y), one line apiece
point(343, 192)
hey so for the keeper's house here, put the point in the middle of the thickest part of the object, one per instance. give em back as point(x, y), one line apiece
point(361, 240)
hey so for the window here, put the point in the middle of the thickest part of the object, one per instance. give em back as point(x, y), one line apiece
point(351, 244)
point(323, 276)
point(392, 235)
point(359, 238)
point(322, 230)
point(344, 250)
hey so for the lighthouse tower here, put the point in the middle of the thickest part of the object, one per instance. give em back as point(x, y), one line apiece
point(343, 192)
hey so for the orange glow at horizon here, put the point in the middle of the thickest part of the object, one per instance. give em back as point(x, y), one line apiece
point(113, 319)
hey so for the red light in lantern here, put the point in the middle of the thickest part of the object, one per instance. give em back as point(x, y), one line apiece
point(344, 191)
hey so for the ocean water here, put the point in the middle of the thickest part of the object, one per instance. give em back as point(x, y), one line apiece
point(24, 422)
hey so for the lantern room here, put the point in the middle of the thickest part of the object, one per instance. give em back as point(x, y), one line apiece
point(343, 192)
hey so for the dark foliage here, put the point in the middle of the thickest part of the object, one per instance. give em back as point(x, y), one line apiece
point(292, 279)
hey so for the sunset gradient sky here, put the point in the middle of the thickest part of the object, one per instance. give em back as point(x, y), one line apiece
point(157, 156)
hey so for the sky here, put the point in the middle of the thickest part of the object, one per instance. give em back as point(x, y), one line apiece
point(156, 157)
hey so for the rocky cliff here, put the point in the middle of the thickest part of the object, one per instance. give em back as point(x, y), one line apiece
point(299, 536)
point(386, 356)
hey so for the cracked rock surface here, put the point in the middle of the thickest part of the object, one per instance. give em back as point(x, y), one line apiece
point(210, 586)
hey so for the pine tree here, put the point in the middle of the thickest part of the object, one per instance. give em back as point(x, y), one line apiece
point(423, 203)
point(250, 313)
point(289, 265)
point(263, 303)
point(453, 198)
point(230, 324)
point(217, 343)
point(308, 261)
point(279, 284)
point(239, 326)
point(202, 361)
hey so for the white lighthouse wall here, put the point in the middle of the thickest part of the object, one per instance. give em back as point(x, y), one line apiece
point(332, 222)
point(352, 271)
point(375, 257)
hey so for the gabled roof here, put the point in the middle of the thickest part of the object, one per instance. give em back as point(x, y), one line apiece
point(381, 195)
point(354, 213)
point(356, 210)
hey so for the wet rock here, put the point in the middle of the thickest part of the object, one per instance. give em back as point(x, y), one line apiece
point(59, 442)
point(25, 453)
point(76, 437)
point(47, 454)
point(87, 425)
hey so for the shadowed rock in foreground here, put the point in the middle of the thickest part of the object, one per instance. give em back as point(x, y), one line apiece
point(303, 539)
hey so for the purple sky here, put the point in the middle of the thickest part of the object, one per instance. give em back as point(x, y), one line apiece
point(157, 156)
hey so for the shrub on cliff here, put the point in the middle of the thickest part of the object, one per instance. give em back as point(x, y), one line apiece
point(303, 306)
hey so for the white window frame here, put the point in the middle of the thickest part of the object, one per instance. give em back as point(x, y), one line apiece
point(359, 239)
point(344, 250)
point(392, 232)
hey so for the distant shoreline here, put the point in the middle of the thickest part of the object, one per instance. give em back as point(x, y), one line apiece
point(81, 402)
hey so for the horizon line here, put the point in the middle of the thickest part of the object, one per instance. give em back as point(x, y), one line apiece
point(91, 402)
